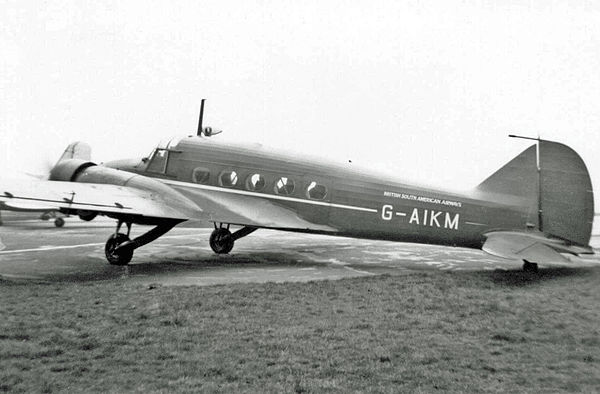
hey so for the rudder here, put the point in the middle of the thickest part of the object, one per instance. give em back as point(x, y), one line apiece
point(567, 197)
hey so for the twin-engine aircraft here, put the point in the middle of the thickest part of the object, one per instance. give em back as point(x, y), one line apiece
point(536, 208)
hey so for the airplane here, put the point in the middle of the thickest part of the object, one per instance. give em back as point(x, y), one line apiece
point(535, 209)
point(59, 220)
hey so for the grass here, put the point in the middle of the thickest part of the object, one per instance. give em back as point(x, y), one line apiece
point(422, 332)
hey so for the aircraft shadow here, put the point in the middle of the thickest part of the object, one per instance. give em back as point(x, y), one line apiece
point(238, 260)
point(518, 278)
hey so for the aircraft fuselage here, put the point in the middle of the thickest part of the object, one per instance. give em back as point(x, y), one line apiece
point(348, 201)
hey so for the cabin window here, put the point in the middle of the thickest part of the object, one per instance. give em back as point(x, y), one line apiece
point(158, 163)
point(201, 175)
point(228, 178)
point(284, 186)
point(255, 182)
point(316, 191)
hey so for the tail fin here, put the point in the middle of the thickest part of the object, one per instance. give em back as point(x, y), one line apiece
point(562, 190)
point(77, 150)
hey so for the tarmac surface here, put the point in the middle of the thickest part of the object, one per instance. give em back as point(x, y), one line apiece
point(36, 250)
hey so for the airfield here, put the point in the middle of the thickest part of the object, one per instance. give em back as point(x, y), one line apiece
point(36, 250)
point(286, 312)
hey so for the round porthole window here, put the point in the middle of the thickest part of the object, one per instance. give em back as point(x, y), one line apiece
point(228, 178)
point(284, 186)
point(316, 191)
point(255, 182)
point(201, 175)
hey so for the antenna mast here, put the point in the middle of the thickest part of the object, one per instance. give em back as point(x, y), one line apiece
point(199, 133)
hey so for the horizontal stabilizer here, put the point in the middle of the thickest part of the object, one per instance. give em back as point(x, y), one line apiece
point(525, 246)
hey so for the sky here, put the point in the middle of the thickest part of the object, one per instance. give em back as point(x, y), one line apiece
point(422, 90)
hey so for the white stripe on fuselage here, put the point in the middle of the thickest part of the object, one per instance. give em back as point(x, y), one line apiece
point(264, 195)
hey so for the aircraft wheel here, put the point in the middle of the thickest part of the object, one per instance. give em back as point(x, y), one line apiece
point(59, 222)
point(220, 241)
point(529, 266)
point(123, 257)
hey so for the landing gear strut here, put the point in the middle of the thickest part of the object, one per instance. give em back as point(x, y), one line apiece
point(528, 266)
point(222, 240)
point(119, 247)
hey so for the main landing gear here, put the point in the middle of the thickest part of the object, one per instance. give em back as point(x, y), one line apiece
point(222, 240)
point(528, 266)
point(119, 247)
point(121, 257)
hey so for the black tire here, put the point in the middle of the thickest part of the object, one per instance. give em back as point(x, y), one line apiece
point(221, 241)
point(123, 257)
point(59, 222)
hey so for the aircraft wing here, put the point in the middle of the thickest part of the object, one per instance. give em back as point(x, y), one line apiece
point(533, 247)
point(36, 195)
point(251, 211)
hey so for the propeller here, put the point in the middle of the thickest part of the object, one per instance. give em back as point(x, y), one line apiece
point(42, 172)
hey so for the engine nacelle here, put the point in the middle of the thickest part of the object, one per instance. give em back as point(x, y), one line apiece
point(112, 176)
point(76, 170)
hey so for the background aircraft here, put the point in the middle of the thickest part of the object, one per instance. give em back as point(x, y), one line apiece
point(42, 210)
point(537, 206)
point(59, 220)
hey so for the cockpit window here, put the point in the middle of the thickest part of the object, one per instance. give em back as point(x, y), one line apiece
point(316, 191)
point(255, 182)
point(201, 175)
point(158, 162)
point(284, 186)
point(228, 178)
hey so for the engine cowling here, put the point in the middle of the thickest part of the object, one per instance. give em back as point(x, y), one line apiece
point(67, 170)
point(77, 170)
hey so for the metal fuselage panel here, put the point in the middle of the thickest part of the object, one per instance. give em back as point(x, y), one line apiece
point(357, 204)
